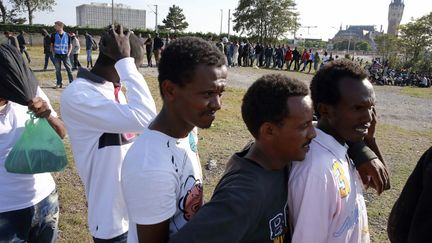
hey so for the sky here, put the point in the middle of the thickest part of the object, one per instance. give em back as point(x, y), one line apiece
point(205, 15)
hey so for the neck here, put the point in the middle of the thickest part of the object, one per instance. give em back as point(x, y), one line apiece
point(107, 72)
point(169, 123)
point(324, 126)
point(60, 32)
point(263, 155)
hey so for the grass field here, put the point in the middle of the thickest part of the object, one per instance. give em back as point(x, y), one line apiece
point(417, 92)
point(401, 148)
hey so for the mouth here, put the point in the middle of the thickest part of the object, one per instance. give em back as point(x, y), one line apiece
point(362, 129)
point(306, 146)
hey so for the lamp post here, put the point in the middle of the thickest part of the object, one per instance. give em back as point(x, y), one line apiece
point(112, 12)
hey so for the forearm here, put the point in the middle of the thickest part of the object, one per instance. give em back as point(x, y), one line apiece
point(57, 125)
point(371, 143)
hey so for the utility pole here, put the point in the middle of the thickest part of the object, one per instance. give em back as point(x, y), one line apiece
point(221, 22)
point(229, 22)
point(156, 14)
point(112, 12)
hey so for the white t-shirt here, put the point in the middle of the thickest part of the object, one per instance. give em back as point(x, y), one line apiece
point(325, 196)
point(161, 179)
point(19, 191)
point(101, 131)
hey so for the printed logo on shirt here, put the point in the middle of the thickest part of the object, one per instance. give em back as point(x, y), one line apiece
point(278, 226)
point(193, 200)
point(349, 222)
point(341, 179)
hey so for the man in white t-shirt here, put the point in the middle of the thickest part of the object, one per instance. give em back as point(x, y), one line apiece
point(325, 190)
point(161, 175)
point(102, 127)
point(29, 207)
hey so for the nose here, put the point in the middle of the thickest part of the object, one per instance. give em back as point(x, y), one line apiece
point(215, 102)
point(368, 116)
point(311, 133)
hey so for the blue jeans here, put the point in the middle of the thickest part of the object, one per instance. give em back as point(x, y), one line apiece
point(48, 56)
point(33, 224)
point(119, 239)
point(58, 59)
point(89, 55)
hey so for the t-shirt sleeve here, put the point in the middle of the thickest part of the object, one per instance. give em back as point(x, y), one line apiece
point(228, 217)
point(150, 196)
point(41, 94)
point(311, 199)
point(360, 153)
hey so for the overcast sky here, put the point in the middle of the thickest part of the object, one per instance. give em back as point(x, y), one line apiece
point(205, 15)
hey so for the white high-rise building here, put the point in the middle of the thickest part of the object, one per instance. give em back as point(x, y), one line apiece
point(99, 15)
point(396, 9)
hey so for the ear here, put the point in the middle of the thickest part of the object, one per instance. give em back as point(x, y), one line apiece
point(267, 131)
point(324, 110)
point(168, 90)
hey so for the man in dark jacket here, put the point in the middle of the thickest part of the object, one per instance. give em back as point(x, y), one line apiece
point(47, 48)
point(157, 48)
point(296, 59)
point(22, 45)
point(410, 220)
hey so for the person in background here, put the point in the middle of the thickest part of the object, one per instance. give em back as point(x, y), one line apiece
point(47, 49)
point(76, 48)
point(89, 48)
point(22, 45)
point(158, 44)
point(11, 39)
point(61, 48)
point(316, 61)
point(149, 50)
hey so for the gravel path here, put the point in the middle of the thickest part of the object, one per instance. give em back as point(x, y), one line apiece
point(393, 107)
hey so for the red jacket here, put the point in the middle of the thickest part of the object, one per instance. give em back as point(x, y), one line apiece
point(288, 55)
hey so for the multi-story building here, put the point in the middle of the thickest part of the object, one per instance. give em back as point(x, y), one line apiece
point(99, 15)
point(396, 9)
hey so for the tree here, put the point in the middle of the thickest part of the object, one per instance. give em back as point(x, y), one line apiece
point(266, 19)
point(362, 46)
point(31, 6)
point(175, 19)
point(3, 12)
point(387, 45)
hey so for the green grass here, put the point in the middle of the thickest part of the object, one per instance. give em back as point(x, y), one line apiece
point(417, 92)
point(401, 148)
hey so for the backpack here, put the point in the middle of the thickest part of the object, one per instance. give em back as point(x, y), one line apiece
point(94, 45)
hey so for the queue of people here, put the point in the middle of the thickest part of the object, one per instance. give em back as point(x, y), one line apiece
point(297, 181)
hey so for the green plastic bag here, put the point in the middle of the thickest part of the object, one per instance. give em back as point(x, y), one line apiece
point(38, 150)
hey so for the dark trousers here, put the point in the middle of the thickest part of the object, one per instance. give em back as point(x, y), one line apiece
point(76, 62)
point(48, 56)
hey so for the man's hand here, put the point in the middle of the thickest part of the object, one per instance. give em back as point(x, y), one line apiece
point(39, 107)
point(374, 174)
point(115, 44)
point(371, 130)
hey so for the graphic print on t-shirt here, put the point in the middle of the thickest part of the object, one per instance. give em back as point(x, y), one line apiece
point(193, 199)
point(278, 226)
point(341, 179)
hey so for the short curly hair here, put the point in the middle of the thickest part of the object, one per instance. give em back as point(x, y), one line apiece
point(182, 56)
point(325, 84)
point(266, 100)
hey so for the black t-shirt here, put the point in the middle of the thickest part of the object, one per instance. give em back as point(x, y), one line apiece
point(248, 205)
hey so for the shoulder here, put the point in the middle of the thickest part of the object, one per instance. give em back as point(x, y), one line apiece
point(79, 91)
point(318, 164)
point(152, 151)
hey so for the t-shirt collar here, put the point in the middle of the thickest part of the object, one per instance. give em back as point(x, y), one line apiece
point(330, 143)
point(86, 74)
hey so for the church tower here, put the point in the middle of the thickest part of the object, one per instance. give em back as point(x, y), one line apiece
point(396, 9)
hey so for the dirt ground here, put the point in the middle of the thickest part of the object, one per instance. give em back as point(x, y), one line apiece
point(393, 108)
